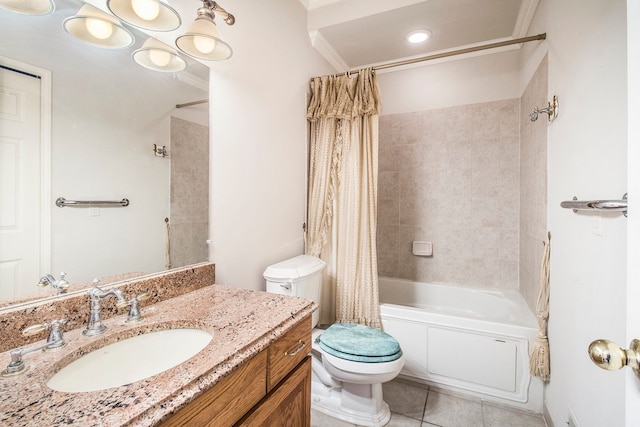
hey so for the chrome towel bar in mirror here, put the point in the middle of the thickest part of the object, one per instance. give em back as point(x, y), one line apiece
point(61, 202)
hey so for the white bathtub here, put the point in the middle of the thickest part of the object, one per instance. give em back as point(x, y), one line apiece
point(474, 341)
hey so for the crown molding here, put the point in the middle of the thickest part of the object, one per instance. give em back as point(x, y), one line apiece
point(315, 4)
point(192, 80)
point(525, 16)
point(327, 51)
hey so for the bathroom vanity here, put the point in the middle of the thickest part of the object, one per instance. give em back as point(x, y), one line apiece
point(273, 388)
point(255, 371)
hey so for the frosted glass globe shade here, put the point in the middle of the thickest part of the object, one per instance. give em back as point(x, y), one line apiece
point(159, 57)
point(146, 9)
point(99, 28)
point(204, 44)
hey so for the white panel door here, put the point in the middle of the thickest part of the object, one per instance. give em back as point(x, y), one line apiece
point(20, 175)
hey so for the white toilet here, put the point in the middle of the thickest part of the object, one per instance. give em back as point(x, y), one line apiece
point(350, 362)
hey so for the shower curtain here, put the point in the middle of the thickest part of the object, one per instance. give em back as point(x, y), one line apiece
point(342, 205)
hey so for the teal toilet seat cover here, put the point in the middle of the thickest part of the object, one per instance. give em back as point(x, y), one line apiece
point(359, 343)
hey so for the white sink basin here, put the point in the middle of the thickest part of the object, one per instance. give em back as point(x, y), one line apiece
point(130, 360)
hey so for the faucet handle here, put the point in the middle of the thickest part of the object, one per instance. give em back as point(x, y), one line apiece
point(62, 284)
point(142, 297)
point(55, 339)
point(132, 302)
point(123, 303)
point(55, 324)
point(34, 329)
point(54, 342)
point(134, 311)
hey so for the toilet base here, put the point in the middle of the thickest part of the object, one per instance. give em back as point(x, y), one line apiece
point(359, 404)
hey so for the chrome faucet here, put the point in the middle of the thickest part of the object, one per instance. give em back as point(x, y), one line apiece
point(95, 326)
point(60, 286)
point(134, 309)
point(55, 341)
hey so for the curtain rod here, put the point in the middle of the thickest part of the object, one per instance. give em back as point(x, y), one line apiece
point(189, 104)
point(541, 36)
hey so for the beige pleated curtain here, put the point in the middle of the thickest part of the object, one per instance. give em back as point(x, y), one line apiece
point(342, 203)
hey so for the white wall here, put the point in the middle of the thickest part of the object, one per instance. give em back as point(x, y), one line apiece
point(258, 140)
point(455, 82)
point(587, 149)
point(100, 161)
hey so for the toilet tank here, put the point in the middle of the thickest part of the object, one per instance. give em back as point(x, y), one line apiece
point(300, 276)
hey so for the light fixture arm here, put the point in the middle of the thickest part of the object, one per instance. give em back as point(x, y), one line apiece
point(215, 8)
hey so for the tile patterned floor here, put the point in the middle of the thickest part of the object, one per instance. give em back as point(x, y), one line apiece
point(415, 405)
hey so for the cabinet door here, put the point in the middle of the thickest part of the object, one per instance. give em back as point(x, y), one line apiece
point(288, 405)
point(227, 401)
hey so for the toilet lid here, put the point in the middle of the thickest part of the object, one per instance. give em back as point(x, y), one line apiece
point(359, 343)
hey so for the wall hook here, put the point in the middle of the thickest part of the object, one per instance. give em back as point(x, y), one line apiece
point(551, 110)
point(160, 151)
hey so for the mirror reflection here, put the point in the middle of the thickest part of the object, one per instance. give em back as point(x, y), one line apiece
point(89, 124)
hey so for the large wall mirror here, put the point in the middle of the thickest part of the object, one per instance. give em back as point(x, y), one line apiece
point(106, 115)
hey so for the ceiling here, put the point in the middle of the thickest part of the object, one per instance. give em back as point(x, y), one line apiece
point(354, 34)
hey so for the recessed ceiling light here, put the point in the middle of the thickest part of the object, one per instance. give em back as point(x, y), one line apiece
point(418, 36)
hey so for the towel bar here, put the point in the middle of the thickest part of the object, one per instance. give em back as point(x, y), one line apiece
point(62, 202)
point(605, 205)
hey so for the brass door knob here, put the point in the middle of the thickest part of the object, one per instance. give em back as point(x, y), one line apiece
point(610, 356)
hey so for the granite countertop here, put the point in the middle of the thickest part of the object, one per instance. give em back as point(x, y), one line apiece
point(242, 323)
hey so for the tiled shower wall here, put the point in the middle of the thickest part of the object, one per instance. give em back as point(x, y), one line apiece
point(451, 177)
point(189, 192)
point(533, 184)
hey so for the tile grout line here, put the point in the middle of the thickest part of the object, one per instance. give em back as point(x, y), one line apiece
point(484, 422)
point(424, 409)
point(424, 422)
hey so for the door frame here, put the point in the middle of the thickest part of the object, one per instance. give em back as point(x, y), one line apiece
point(45, 156)
point(632, 386)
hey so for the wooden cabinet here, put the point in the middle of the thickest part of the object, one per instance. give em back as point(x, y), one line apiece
point(286, 353)
point(271, 389)
point(228, 400)
point(288, 405)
